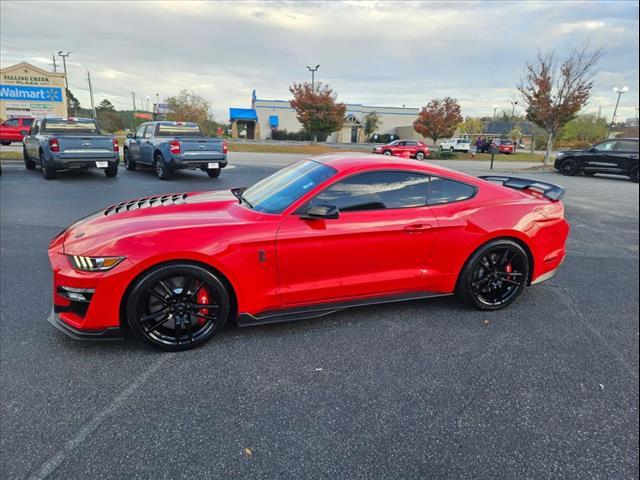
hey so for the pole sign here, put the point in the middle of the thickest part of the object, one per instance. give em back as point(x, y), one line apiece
point(20, 92)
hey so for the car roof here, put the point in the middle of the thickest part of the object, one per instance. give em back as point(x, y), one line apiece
point(75, 119)
point(354, 162)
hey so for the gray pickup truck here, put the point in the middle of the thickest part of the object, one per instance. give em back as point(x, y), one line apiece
point(67, 143)
point(169, 146)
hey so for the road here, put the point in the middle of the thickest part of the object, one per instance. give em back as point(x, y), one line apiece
point(424, 389)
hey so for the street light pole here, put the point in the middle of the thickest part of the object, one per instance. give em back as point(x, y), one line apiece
point(495, 108)
point(619, 91)
point(313, 77)
point(513, 108)
point(64, 64)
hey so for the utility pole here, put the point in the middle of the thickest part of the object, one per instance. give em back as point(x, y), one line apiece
point(133, 95)
point(93, 106)
point(313, 76)
point(619, 91)
point(64, 63)
point(55, 65)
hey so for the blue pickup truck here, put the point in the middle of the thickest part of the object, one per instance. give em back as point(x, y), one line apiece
point(169, 146)
point(67, 143)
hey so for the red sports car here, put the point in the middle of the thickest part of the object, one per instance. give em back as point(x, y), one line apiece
point(404, 148)
point(321, 235)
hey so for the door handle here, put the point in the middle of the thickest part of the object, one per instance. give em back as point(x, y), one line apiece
point(417, 227)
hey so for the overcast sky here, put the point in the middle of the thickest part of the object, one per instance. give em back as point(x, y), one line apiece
point(378, 53)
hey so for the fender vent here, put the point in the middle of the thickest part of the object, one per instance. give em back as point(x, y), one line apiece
point(146, 202)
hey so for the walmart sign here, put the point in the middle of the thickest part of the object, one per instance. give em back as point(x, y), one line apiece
point(18, 92)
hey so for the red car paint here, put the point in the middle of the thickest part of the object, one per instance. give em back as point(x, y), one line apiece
point(505, 146)
point(404, 149)
point(274, 261)
point(14, 129)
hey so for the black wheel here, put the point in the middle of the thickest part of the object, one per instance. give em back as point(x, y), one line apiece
point(6, 142)
point(28, 163)
point(452, 150)
point(177, 306)
point(214, 172)
point(387, 152)
point(588, 174)
point(112, 170)
point(162, 171)
point(569, 167)
point(420, 156)
point(47, 171)
point(128, 163)
point(633, 173)
point(494, 276)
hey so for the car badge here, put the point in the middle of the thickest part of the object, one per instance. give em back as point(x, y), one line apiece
point(201, 147)
point(87, 144)
point(78, 235)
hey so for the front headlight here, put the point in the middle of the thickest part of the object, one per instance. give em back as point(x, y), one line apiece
point(94, 264)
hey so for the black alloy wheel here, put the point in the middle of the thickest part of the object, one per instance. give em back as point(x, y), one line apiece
point(569, 167)
point(28, 163)
point(177, 306)
point(162, 170)
point(633, 173)
point(495, 275)
point(128, 163)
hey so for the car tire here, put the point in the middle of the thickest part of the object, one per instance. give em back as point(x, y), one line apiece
point(452, 149)
point(633, 174)
point(128, 163)
point(160, 166)
point(48, 172)
point(6, 142)
point(420, 156)
point(112, 170)
point(387, 152)
point(214, 172)
point(170, 292)
point(28, 163)
point(568, 167)
point(494, 276)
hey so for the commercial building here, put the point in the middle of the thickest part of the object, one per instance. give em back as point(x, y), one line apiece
point(266, 116)
point(29, 91)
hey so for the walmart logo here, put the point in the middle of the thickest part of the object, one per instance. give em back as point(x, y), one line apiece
point(18, 92)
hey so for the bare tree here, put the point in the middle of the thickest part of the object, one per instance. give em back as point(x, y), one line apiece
point(554, 93)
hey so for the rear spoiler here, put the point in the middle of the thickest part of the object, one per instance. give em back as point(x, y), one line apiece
point(549, 190)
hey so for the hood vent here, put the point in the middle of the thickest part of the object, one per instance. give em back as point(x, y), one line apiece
point(147, 202)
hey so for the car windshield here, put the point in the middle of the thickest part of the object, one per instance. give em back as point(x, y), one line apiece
point(277, 192)
point(179, 130)
point(70, 126)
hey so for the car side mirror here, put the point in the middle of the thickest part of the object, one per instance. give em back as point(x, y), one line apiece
point(321, 212)
point(593, 150)
point(129, 135)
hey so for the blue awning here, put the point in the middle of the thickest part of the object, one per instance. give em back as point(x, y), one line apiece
point(273, 121)
point(242, 114)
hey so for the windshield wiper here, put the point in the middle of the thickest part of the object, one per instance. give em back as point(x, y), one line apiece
point(237, 192)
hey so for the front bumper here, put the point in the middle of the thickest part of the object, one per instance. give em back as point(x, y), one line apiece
point(106, 334)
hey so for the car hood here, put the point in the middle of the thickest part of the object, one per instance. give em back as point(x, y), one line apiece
point(149, 215)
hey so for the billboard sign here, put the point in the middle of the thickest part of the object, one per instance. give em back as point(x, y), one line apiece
point(20, 92)
point(161, 108)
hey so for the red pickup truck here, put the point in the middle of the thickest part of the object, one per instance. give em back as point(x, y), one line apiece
point(14, 129)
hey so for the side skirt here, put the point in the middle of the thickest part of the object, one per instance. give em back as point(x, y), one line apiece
point(315, 311)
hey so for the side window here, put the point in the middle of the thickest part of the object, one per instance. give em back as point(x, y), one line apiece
point(12, 122)
point(626, 146)
point(442, 190)
point(150, 130)
point(376, 191)
point(27, 122)
point(140, 131)
point(605, 146)
point(412, 144)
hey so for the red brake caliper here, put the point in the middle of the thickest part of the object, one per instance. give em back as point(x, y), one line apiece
point(203, 298)
point(508, 269)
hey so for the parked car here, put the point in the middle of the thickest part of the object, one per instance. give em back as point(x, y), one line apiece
point(404, 148)
point(456, 145)
point(69, 143)
point(321, 235)
point(505, 146)
point(169, 146)
point(617, 156)
point(14, 129)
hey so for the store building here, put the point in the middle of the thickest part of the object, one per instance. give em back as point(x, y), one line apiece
point(265, 116)
point(29, 91)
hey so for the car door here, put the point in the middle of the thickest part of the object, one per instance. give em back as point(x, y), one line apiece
point(146, 144)
point(31, 140)
point(134, 143)
point(379, 245)
point(8, 129)
point(599, 157)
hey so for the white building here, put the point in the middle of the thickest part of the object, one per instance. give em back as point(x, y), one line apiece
point(265, 116)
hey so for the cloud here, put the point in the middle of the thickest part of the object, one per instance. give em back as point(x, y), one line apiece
point(377, 53)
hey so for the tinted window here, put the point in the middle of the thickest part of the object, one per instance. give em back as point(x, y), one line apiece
point(69, 126)
point(376, 190)
point(27, 121)
point(149, 131)
point(442, 190)
point(12, 123)
point(277, 192)
point(140, 131)
point(604, 146)
point(626, 146)
point(412, 143)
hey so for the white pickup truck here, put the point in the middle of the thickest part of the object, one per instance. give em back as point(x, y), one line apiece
point(456, 145)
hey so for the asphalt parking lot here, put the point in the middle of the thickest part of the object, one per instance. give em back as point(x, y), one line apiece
point(427, 389)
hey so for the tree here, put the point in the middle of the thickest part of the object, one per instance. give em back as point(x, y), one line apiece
point(555, 94)
point(187, 106)
point(106, 105)
point(582, 131)
point(439, 119)
point(108, 118)
point(371, 123)
point(316, 108)
point(471, 126)
point(73, 104)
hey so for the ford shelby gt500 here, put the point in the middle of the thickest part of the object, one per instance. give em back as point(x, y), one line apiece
point(316, 237)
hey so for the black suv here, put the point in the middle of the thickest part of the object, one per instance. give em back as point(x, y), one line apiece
point(617, 156)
